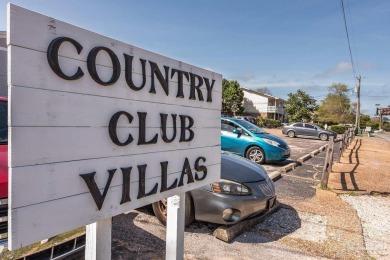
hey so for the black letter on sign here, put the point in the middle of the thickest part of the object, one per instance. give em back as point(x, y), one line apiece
point(52, 57)
point(163, 81)
point(91, 64)
point(194, 86)
point(126, 185)
point(163, 118)
point(141, 183)
point(164, 178)
point(186, 171)
point(93, 188)
point(184, 128)
point(142, 130)
point(112, 128)
point(129, 72)
point(209, 88)
point(180, 75)
point(200, 168)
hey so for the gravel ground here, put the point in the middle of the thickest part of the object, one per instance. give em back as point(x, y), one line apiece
point(374, 213)
point(139, 235)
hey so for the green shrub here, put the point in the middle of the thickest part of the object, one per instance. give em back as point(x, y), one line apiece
point(339, 129)
point(269, 123)
point(386, 127)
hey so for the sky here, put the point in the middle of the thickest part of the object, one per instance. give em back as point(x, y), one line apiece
point(282, 45)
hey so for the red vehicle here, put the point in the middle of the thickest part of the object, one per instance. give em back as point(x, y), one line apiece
point(3, 169)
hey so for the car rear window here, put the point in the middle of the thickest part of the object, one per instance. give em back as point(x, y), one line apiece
point(298, 125)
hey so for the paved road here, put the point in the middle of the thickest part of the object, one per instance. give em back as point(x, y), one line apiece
point(299, 147)
point(385, 136)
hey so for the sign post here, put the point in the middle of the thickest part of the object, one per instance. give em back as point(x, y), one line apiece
point(98, 127)
point(175, 227)
point(98, 240)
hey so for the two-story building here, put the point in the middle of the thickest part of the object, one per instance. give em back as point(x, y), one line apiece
point(264, 105)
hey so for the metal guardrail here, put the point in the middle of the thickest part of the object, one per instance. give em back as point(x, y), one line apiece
point(72, 249)
point(3, 219)
point(346, 140)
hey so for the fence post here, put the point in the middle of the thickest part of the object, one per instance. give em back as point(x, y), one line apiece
point(341, 148)
point(328, 163)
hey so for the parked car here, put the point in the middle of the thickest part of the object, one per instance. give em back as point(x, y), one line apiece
point(247, 118)
point(3, 171)
point(307, 129)
point(252, 142)
point(244, 190)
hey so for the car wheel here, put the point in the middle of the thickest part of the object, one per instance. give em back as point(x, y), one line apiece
point(291, 134)
point(255, 154)
point(160, 210)
point(323, 137)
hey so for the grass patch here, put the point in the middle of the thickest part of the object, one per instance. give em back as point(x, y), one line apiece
point(36, 247)
point(325, 188)
point(352, 193)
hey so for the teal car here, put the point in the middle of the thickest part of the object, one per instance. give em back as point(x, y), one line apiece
point(250, 141)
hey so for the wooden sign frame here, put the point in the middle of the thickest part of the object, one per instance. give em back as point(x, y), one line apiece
point(98, 127)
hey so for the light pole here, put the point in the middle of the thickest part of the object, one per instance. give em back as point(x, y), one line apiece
point(378, 112)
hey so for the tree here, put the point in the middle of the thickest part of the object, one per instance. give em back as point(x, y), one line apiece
point(300, 107)
point(264, 90)
point(232, 97)
point(365, 120)
point(336, 107)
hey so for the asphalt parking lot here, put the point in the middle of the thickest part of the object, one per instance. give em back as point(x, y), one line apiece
point(139, 235)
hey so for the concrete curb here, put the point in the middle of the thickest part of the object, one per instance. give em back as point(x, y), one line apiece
point(274, 175)
point(288, 167)
point(301, 159)
point(228, 233)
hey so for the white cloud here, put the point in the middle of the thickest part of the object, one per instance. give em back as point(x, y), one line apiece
point(340, 68)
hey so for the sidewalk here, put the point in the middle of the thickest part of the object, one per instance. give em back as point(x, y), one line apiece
point(364, 168)
point(338, 224)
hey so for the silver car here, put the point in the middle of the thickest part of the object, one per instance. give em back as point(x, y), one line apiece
point(245, 190)
point(307, 129)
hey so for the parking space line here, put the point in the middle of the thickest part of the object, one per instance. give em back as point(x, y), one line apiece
point(298, 177)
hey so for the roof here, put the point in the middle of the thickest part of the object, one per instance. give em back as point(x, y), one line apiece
point(262, 94)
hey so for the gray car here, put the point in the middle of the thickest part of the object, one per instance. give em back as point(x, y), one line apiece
point(244, 190)
point(307, 129)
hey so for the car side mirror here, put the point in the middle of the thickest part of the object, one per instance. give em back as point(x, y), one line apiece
point(315, 128)
point(237, 131)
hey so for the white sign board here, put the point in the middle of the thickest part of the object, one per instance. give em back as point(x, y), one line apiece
point(99, 127)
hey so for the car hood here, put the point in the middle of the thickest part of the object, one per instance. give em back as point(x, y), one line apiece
point(272, 137)
point(239, 169)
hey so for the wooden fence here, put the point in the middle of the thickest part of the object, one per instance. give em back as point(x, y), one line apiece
point(346, 139)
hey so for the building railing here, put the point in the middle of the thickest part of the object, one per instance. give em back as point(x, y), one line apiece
point(275, 109)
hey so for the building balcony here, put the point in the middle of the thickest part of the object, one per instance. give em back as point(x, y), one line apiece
point(274, 109)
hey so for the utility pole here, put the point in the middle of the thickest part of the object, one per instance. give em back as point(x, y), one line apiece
point(357, 122)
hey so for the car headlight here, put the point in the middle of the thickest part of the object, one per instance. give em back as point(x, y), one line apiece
point(229, 187)
point(274, 143)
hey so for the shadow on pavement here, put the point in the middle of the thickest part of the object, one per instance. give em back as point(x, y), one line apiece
point(343, 175)
point(131, 242)
point(274, 227)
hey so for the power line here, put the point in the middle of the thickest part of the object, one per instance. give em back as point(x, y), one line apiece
point(349, 44)
point(353, 38)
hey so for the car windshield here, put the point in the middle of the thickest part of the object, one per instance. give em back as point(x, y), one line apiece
point(249, 126)
point(3, 123)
